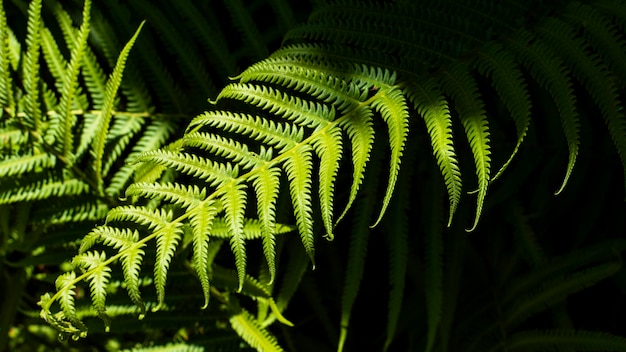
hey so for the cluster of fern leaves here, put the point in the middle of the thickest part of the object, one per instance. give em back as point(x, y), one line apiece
point(309, 192)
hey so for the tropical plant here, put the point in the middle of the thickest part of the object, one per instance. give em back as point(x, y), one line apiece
point(356, 128)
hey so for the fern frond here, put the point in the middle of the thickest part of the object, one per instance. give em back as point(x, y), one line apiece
point(22, 164)
point(99, 276)
point(190, 164)
point(464, 91)
point(282, 136)
point(201, 222)
point(170, 192)
point(299, 169)
point(31, 67)
point(7, 100)
point(266, 186)
point(302, 112)
point(392, 106)
point(224, 147)
point(433, 107)
point(360, 130)
point(234, 202)
point(104, 119)
point(250, 331)
point(166, 242)
point(328, 146)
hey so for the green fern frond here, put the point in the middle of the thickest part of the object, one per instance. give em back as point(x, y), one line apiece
point(279, 135)
point(22, 164)
point(299, 169)
point(31, 67)
point(104, 119)
point(392, 106)
point(7, 100)
point(433, 107)
point(201, 224)
point(302, 112)
point(328, 146)
point(250, 331)
point(234, 201)
point(99, 276)
point(464, 91)
point(266, 186)
point(360, 130)
point(166, 243)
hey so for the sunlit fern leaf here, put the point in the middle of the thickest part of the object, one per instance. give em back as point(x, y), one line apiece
point(246, 326)
point(580, 340)
point(266, 186)
point(601, 84)
point(278, 135)
point(392, 106)
point(98, 277)
point(186, 196)
point(166, 242)
point(104, 119)
point(288, 70)
point(224, 147)
point(152, 218)
point(507, 78)
point(201, 220)
point(463, 88)
point(328, 146)
point(433, 107)
point(211, 172)
point(234, 202)
point(302, 112)
point(66, 118)
point(298, 167)
point(154, 136)
point(32, 107)
point(360, 130)
point(543, 63)
point(65, 285)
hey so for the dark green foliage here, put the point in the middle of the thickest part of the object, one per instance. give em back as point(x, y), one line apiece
point(303, 207)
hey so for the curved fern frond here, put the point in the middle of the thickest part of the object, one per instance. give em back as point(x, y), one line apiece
point(464, 90)
point(433, 107)
point(250, 331)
